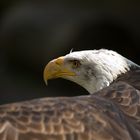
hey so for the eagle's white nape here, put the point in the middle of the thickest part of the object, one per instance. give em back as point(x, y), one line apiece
point(101, 68)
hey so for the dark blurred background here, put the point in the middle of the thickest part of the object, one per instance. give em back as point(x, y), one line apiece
point(34, 32)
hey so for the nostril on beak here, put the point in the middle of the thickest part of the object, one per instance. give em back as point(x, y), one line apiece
point(59, 61)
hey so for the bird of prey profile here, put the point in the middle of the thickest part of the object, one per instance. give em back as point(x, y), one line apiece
point(110, 112)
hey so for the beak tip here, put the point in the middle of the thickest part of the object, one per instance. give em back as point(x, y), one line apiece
point(46, 82)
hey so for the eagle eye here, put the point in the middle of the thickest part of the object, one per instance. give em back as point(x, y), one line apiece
point(76, 63)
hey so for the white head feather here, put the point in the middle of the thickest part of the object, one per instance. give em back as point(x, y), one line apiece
point(99, 68)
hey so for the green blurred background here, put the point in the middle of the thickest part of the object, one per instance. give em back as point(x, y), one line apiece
point(34, 32)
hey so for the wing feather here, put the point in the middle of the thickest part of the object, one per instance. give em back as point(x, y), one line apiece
point(76, 118)
point(124, 95)
point(127, 98)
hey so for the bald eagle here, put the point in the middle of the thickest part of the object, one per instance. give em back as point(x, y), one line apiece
point(110, 112)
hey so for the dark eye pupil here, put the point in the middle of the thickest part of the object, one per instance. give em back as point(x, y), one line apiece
point(76, 63)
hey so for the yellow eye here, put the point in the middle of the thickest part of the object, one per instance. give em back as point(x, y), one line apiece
point(76, 63)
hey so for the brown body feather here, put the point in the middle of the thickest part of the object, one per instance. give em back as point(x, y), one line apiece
point(110, 114)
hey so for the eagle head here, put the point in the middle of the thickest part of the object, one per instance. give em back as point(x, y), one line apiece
point(92, 69)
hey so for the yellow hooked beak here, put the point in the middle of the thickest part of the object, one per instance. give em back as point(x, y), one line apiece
point(56, 69)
